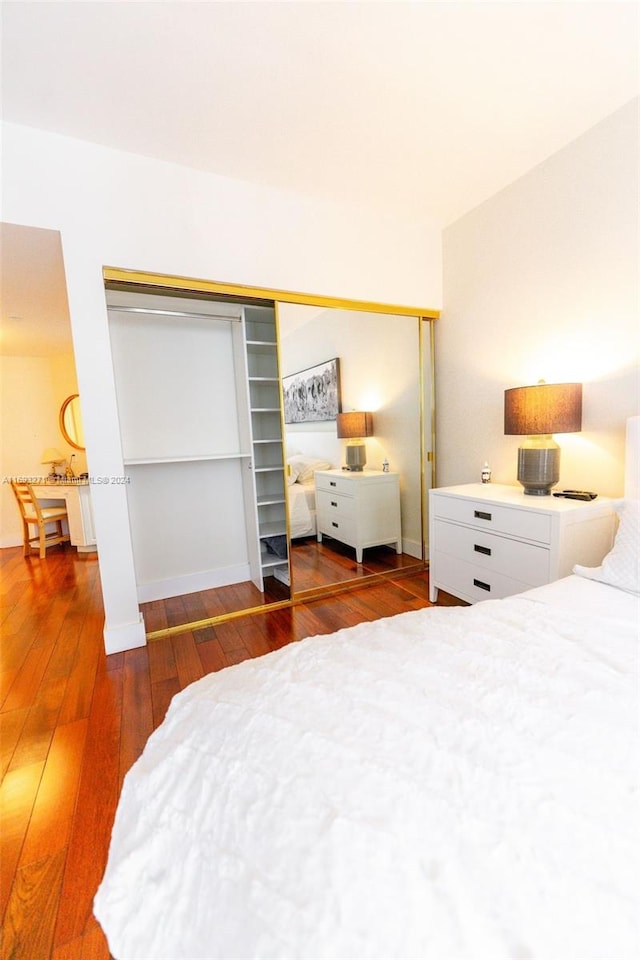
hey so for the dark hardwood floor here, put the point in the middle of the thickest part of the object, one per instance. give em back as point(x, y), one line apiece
point(72, 722)
point(314, 566)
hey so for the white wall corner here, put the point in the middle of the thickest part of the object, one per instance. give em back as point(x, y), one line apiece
point(126, 636)
point(412, 547)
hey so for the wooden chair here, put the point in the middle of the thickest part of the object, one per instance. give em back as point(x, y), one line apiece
point(40, 517)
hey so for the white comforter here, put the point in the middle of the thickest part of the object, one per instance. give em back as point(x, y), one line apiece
point(451, 783)
point(301, 502)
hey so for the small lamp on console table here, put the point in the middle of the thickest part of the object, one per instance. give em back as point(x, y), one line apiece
point(52, 457)
point(537, 412)
point(354, 427)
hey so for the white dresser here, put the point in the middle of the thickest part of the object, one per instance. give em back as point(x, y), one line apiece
point(77, 498)
point(359, 509)
point(491, 541)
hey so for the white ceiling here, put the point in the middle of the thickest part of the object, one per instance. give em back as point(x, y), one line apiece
point(33, 293)
point(436, 105)
point(432, 106)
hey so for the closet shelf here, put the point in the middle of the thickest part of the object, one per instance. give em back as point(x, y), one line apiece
point(269, 560)
point(191, 458)
point(267, 501)
point(275, 529)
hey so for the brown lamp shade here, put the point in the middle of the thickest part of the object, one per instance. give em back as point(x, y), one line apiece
point(543, 408)
point(354, 425)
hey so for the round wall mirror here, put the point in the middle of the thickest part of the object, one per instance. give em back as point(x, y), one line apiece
point(71, 422)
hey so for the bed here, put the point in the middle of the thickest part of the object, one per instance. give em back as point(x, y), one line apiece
point(448, 783)
point(301, 494)
point(301, 501)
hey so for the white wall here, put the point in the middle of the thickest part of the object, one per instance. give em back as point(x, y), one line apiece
point(32, 390)
point(541, 281)
point(117, 209)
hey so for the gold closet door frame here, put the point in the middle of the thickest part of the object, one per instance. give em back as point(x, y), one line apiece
point(138, 278)
point(119, 278)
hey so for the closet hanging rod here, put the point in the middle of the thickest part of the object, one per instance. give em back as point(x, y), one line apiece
point(172, 313)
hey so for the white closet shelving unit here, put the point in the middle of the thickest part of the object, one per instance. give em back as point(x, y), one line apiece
point(199, 410)
point(267, 440)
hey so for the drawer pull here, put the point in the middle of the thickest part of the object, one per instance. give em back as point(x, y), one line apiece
point(333, 503)
point(483, 586)
point(479, 549)
point(481, 515)
point(332, 483)
point(334, 524)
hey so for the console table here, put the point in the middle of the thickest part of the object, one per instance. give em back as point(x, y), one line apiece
point(76, 495)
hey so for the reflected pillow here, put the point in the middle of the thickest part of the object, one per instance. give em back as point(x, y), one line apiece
point(620, 567)
point(305, 467)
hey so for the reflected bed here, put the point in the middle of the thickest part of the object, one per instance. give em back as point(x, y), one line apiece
point(301, 501)
point(301, 494)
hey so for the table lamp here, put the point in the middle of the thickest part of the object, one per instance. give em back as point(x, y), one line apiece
point(52, 457)
point(538, 411)
point(354, 427)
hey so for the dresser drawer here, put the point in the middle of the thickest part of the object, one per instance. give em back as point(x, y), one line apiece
point(471, 582)
point(525, 562)
point(335, 505)
point(335, 484)
point(521, 523)
point(340, 528)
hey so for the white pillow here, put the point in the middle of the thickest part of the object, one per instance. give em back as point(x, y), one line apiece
point(305, 467)
point(292, 474)
point(620, 567)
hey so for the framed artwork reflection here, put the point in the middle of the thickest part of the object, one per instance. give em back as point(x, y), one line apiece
point(313, 394)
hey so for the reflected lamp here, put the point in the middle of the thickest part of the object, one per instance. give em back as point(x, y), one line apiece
point(354, 427)
point(537, 412)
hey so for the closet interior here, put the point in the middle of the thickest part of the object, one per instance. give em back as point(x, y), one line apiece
point(198, 395)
